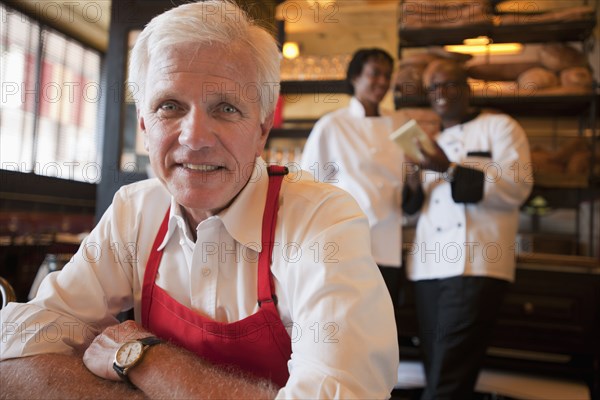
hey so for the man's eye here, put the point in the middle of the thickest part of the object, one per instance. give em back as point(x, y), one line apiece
point(228, 108)
point(168, 106)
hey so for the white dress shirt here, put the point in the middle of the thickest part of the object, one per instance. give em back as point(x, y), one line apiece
point(331, 295)
point(353, 152)
point(476, 239)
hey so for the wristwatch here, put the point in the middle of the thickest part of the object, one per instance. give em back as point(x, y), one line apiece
point(130, 353)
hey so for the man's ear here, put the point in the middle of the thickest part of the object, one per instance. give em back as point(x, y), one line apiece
point(142, 126)
point(353, 80)
point(265, 128)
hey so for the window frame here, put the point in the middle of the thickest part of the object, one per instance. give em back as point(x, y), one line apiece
point(22, 190)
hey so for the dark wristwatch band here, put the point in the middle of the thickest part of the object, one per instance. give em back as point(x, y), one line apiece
point(146, 342)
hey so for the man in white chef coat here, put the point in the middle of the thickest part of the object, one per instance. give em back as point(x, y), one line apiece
point(468, 193)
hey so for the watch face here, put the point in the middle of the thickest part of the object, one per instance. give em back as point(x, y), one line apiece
point(128, 354)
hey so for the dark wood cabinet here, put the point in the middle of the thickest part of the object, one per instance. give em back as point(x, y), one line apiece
point(549, 323)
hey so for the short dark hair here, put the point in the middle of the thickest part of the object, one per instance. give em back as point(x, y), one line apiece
point(359, 59)
point(455, 67)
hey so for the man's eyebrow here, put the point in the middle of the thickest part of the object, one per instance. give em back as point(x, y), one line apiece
point(162, 93)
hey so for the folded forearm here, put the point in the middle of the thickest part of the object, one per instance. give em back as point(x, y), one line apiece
point(57, 376)
point(171, 372)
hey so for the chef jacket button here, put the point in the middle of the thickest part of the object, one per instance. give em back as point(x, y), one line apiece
point(438, 229)
point(437, 201)
point(459, 224)
point(205, 271)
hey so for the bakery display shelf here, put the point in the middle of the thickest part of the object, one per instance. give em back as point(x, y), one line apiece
point(290, 133)
point(558, 260)
point(315, 86)
point(521, 105)
point(561, 181)
point(522, 33)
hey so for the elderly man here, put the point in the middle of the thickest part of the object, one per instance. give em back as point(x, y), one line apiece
point(245, 282)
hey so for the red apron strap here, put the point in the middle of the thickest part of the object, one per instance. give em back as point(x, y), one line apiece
point(265, 283)
point(152, 268)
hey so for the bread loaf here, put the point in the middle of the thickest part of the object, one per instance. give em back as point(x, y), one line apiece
point(444, 13)
point(500, 72)
point(568, 149)
point(537, 78)
point(542, 162)
point(559, 56)
point(576, 76)
point(579, 163)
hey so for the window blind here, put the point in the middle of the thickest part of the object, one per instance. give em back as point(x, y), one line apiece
point(50, 97)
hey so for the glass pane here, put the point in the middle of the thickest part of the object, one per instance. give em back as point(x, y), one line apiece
point(19, 46)
point(49, 108)
point(134, 157)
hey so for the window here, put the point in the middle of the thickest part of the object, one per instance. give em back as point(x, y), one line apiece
point(50, 97)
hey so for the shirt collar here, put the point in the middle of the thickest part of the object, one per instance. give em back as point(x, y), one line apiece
point(242, 219)
point(358, 110)
point(176, 221)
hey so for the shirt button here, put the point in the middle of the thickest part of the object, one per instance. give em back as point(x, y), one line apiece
point(438, 229)
point(437, 201)
point(205, 271)
point(459, 224)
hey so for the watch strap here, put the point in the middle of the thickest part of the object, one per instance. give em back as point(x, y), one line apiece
point(147, 342)
point(122, 374)
point(150, 341)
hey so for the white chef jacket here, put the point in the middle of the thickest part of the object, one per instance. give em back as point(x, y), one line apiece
point(331, 295)
point(352, 151)
point(475, 239)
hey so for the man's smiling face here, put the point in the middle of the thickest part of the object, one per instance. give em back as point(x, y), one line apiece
point(201, 119)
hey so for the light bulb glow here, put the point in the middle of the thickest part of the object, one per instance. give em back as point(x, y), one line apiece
point(291, 50)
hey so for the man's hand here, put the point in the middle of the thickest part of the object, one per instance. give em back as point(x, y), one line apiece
point(436, 161)
point(100, 355)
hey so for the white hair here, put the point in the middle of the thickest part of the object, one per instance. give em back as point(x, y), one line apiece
point(208, 23)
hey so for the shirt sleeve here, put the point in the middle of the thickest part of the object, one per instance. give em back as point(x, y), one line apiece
point(75, 304)
point(344, 340)
point(509, 175)
point(317, 154)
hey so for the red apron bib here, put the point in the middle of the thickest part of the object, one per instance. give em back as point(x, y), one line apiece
point(258, 344)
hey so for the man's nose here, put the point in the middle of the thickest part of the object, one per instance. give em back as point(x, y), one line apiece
point(383, 79)
point(197, 131)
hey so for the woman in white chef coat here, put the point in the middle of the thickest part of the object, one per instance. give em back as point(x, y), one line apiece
point(350, 148)
point(469, 193)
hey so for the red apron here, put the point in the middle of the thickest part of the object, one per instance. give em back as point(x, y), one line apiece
point(258, 344)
